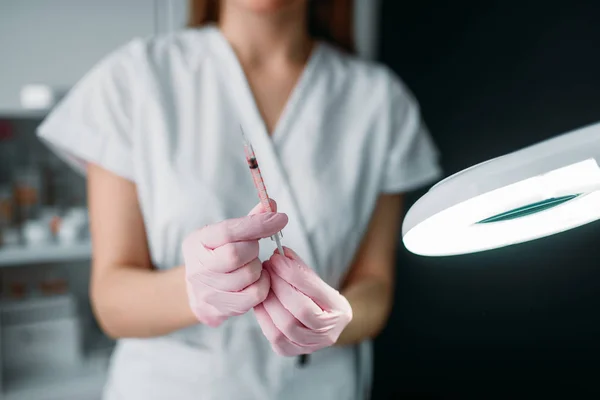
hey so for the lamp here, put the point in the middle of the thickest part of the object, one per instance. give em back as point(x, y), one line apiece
point(541, 190)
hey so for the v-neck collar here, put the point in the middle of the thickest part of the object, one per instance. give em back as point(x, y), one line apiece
point(273, 171)
point(232, 62)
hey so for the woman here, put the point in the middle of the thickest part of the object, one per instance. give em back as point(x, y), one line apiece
point(156, 128)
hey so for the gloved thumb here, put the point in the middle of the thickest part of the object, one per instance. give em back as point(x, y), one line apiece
point(259, 208)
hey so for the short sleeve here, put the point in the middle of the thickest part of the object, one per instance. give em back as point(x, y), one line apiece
point(93, 123)
point(412, 159)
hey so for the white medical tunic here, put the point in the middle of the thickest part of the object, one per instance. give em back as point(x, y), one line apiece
point(165, 113)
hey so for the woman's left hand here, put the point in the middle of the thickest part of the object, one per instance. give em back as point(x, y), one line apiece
point(302, 313)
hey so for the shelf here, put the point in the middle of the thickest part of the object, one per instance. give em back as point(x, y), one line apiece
point(86, 383)
point(51, 253)
point(23, 113)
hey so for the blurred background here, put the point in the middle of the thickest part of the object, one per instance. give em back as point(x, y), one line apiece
point(491, 77)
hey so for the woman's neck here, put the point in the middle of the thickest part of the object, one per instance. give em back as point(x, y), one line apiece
point(260, 39)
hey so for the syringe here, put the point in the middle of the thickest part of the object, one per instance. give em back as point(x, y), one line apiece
point(259, 184)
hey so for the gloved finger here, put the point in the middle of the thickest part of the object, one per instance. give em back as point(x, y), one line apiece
point(251, 227)
point(259, 208)
point(238, 303)
point(295, 272)
point(215, 322)
point(204, 312)
point(210, 316)
point(235, 280)
point(230, 256)
point(287, 324)
point(298, 304)
point(280, 344)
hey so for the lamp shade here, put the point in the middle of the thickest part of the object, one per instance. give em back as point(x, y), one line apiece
point(541, 190)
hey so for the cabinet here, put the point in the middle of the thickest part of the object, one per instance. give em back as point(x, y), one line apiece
point(55, 42)
point(49, 346)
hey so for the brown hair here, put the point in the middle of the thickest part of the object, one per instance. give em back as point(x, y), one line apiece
point(329, 20)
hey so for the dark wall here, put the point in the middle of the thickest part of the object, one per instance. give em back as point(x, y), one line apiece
point(492, 77)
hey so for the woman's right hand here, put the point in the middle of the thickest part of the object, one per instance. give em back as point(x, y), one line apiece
point(223, 273)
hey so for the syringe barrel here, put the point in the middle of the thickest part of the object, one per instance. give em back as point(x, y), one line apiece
point(260, 188)
point(258, 181)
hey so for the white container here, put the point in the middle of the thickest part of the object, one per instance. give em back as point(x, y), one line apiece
point(69, 233)
point(77, 214)
point(37, 97)
point(36, 233)
point(73, 226)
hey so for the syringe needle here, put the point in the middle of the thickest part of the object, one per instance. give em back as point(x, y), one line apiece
point(278, 242)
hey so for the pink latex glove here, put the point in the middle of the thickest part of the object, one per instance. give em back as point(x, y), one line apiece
point(302, 314)
point(223, 273)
